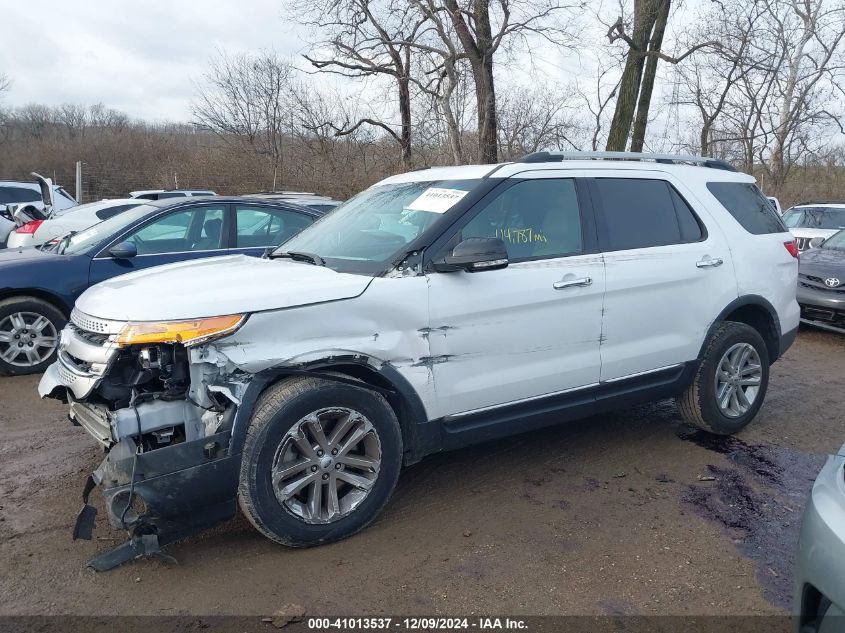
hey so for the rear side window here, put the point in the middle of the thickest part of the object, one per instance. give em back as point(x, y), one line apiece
point(748, 205)
point(105, 214)
point(12, 195)
point(644, 213)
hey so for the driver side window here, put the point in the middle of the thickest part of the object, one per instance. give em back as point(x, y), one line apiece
point(536, 219)
point(195, 229)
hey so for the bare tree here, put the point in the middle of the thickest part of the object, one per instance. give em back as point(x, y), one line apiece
point(533, 119)
point(5, 82)
point(644, 42)
point(810, 32)
point(712, 78)
point(246, 101)
point(367, 38)
point(477, 30)
point(597, 99)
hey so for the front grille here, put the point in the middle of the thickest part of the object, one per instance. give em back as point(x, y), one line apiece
point(92, 337)
point(93, 324)
point(817, 283)
point(803, 243)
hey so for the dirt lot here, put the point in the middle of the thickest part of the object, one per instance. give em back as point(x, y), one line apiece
point(612, 515)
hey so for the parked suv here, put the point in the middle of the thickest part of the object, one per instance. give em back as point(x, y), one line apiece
point(436, 309)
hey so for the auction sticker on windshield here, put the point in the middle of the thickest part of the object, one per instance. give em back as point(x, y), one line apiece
point(437, 200)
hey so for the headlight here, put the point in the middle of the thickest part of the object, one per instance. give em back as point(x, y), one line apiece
point(190, 332)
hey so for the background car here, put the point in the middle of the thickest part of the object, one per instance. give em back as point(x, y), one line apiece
point(163, 194)
point(74, 219)
point(820, 572)
point(814, 219)
point(38, 287)
point(322, 203)
point(821, 284)
point(14, 193)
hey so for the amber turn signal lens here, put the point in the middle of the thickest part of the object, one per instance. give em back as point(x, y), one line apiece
point(185, 332)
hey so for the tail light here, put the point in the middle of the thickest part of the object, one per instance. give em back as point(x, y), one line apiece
point(792, 247)
point(29, 228)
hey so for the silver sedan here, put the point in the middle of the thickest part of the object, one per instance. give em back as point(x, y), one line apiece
point(820, 570)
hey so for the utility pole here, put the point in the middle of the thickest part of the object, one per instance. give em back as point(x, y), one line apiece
point(79, 182)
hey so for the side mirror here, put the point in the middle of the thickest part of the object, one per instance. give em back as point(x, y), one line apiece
point(124, 250)
point(475, 254)
point(816, 242)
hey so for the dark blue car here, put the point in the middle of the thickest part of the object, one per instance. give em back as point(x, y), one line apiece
point(39, 287)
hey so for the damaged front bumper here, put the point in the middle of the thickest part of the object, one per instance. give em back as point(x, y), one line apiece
point(177, 491)
point(169, 470)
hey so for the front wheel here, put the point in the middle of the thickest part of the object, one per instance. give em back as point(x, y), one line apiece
point(29, 335)
point(731, 381)
point(320, 461)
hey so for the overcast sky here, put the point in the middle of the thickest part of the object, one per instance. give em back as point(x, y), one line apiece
point(139, 56)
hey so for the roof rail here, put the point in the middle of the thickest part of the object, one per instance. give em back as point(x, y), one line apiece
point(809, 202)
point(703, 161)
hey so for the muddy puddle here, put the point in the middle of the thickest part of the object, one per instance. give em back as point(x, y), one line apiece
point(759, 499)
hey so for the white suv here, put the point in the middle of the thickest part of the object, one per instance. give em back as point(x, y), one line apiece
point(436, 309)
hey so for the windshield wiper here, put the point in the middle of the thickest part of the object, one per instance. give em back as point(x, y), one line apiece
point(299, 256)
point(61, 245)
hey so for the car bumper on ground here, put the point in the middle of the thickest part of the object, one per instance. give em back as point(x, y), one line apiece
point(820, 572)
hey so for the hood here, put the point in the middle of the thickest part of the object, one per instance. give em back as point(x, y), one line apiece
point(12, 257)
point(216, 286)
point(823, 261)
point(811, 233)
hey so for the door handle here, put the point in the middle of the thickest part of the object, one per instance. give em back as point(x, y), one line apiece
point(709, 263)
point(570, 283)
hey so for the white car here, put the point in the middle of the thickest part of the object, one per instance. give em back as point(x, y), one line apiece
point(75, 219)
point(810, 220)
point(38, 194)
point(438, 308)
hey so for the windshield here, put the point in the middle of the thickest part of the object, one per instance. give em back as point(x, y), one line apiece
point(84, 240)
point(815, 218)
point(364, 234)
point(837, 241)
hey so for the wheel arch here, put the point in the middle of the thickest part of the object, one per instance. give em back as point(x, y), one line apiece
point(358, 369)
point(35, 293)
point(756, 312)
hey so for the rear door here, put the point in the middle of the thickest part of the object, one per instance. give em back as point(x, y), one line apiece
point(256, 227)
point(667, 267)
point(182, 234)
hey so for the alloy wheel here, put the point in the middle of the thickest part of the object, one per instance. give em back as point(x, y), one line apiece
point(738, 379)
point(26, 339)
point(326, 464)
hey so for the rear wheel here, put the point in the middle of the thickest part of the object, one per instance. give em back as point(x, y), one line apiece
point(731, 381)
point(320, 461)
point(29, 335)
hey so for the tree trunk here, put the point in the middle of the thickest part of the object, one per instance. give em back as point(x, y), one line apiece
point(485, 96)
point(647, 86)
point(629, 87)
point(405, 117)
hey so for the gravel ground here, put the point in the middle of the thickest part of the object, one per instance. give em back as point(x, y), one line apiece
point(627, 513)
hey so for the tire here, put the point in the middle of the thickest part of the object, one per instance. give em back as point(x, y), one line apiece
point(279, 435)
point(699, 404)
point(30, 326)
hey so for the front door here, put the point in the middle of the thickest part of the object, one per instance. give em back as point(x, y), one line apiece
point(180, 235)
point(531, 329)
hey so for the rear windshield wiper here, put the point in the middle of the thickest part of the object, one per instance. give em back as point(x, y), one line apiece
point(299, 256)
